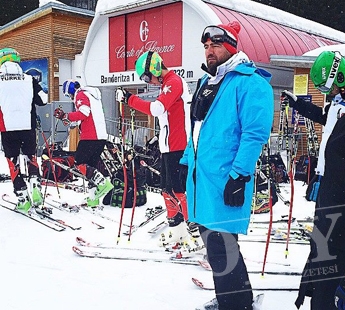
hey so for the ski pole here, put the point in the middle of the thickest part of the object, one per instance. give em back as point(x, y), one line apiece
point(119, 99)
point(293, 152)
point(51, 168)
point(133, 174)
point(270, 208)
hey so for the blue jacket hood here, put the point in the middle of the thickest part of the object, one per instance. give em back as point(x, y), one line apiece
point(250, 68)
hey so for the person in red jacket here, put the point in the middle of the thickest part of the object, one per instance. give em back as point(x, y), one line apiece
point(171, 108)
point(93, 136)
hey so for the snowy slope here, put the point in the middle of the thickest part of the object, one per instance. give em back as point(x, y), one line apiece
point(39, 270)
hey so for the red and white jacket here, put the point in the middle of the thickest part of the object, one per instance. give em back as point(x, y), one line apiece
point(172, 107)
point(89, 112)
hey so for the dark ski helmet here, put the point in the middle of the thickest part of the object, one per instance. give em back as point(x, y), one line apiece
point(148, 64)
point(69, 87)
point(328, 69)
point(9, 54)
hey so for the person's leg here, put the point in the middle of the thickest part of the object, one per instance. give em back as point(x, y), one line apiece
point(175, 200)
point(11, 143)
point(325, 266)
point(230, 276)
point(29, 150)
point(88, 152)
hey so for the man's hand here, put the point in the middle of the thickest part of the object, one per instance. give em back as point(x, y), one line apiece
point(339, 297)
point(122, 95)
point(60, 114)
point(234, 191)
point(288, 98)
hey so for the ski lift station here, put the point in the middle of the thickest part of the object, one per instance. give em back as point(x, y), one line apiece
point(120, 31)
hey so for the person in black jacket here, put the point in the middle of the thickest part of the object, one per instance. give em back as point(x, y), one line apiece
point(19, 95)
point(325, 265)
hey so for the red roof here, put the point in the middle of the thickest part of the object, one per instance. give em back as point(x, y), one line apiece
point(260, 38)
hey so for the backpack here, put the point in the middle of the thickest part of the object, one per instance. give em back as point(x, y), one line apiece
point(152, 157)
point(62, 175)
point(305, 168)
point(115, 196)
point(278, 168)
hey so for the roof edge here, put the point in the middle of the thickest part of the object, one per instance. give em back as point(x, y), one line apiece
point(40, 12)
point(292, 61)
point(134, 5)
point(254, 9)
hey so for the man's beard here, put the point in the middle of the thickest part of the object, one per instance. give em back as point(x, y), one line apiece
point(212, 68)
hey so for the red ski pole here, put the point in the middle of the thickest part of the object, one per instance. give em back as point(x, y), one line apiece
point(119, 98)
point(270, 208)
point(134, 175)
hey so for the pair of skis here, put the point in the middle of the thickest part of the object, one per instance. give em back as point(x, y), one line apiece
point(103, 250)
point(69, 186)
point(209, 285)
point(113, 251)
point(38, 215)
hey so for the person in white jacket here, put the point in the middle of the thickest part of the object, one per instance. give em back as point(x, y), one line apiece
point(19, 95)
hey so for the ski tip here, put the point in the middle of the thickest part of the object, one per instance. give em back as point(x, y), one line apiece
point(77, 250)
point(80, 240)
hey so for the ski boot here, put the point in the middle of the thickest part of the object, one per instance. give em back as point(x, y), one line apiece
point(92, 201)
point(257, 303)
point(174, 234)
point(210, 305)
point(195, 243)
point(103, 185)
point(213, 304)
point(24, 203)
point(177, 232)
point(35, 186)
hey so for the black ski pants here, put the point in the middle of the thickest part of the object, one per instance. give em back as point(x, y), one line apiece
point(230, 276)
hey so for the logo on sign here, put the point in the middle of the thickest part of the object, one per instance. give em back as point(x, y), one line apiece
point(144, 31)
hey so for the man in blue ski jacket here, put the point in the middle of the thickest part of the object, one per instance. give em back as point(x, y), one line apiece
point(232, 115)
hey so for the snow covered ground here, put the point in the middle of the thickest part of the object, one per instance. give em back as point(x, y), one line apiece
point(40, 271)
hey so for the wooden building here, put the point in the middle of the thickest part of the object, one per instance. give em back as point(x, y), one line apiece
point(53, 31)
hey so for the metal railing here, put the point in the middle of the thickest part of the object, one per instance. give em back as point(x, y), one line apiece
point(142, 133)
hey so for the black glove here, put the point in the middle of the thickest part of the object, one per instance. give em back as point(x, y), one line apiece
point(183, 176)
point(234, 191)
point(122, 95)
point(339, 297)
point(60, 114)
point(289, 98)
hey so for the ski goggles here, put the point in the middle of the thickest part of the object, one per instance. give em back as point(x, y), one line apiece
point(327, 87)
point(217, 35)
point(147, 75)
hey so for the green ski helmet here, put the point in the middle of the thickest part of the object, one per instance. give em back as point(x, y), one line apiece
point(328, 69)
point(148, 64)
point(9, 54)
